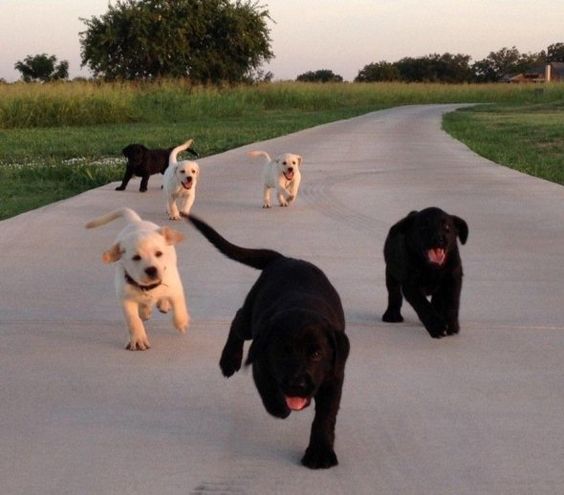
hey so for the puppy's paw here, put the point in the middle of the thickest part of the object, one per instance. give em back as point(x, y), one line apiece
point(319, 457)
point(437, 328)
point(266, 205)
point(174, 217)
point(230, 363)
point(283, 203)
point(140, 343)
point(163, 305)
point(453, 328)
point(392, 316)
point(182, 324)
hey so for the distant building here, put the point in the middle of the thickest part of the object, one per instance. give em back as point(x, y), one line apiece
point(553, 72)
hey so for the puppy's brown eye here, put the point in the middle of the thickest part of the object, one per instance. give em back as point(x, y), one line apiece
point(158, 254)
point(136, 258)
point(315, 356)
point(284, 163)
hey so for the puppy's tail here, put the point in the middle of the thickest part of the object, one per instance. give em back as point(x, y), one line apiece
point(260, 153)
point(174, 153)
point(256, 258)
point(127, 213)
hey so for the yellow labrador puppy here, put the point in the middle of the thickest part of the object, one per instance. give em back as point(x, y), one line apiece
point(282, 174)
point(179, 183)
point(146, 273)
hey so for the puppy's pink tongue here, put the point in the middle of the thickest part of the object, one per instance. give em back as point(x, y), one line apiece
point(436, 256)
point(296, 403)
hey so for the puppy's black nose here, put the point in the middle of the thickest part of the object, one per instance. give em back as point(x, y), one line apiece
point(151, 271)
point(189, 178)
point(290, 169)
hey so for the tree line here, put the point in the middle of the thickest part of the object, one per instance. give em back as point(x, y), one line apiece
point(223, 41)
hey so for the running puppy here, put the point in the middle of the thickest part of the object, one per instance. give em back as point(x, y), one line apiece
point(143, 163)
point(180, 181)
point(294, 317)
point(282, 174)
point(146, 273)
point(422, 259)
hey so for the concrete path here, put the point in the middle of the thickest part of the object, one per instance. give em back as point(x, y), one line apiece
point(479, 413)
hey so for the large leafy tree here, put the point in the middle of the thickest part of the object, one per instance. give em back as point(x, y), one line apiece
point(378, 71)
point(322, 75)
point(42, 67)
point(205, 40)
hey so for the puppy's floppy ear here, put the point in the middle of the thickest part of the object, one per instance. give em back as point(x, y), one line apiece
point(341, 347)
point(403, 225)
point(113, 254)
point(171, 236)
point(461, 228)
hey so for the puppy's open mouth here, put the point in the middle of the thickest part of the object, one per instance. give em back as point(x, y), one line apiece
point(288, 175)
point(437, 256)
point(187, 185)
point(297, 403)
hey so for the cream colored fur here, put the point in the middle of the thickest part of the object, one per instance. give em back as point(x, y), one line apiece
point(146, 273)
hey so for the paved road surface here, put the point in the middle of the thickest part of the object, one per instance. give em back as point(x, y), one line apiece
point(479, 413)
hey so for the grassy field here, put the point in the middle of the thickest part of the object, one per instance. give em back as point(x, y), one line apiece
point(528, 138)
point(57, 140)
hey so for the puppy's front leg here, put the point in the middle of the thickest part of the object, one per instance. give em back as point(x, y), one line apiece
point(232, 354)
point(433, 322)
point(181, 317)
point(172, 210)
point(447, 302)
point(319, 453)
point(126, 178)
point(138, 340)
point(395, 299)
point(283, 195)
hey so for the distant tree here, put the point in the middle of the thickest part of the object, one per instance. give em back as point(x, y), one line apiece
point(322, 75)
point(498, 64)
point(205, 40)
point(555, 53)
point(378, 71)
point(42, 68)
point(446, 68)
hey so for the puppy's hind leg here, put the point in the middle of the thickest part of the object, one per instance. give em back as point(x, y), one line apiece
point(232, 355)
point(144, 183)
point(395, 299)
point(266, 197)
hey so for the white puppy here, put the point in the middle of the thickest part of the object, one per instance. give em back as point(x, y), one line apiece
point(282, 174)
point(146, 273)
point(179, 183)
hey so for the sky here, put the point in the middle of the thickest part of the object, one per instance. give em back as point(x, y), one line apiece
point(339, 35)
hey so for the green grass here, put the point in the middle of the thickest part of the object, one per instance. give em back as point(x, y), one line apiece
point(59, 139)
point(528, 138)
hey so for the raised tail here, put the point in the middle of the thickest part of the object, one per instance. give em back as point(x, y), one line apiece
point(179, 149)
point(260, 153)
point(256, 258)
point(127, 213)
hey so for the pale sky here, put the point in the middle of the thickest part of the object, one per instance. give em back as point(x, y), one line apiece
point(340, 35)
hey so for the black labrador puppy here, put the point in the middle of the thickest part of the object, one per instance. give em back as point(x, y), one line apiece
point(422, 259)
point(143, 162)
point(295, 319)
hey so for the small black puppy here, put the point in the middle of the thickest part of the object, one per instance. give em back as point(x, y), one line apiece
point(144, 162)
point(296, 322)
point(422, 259)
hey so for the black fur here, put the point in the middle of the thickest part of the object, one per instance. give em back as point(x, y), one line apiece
point(409, 269)
point(295, 319)
point(144, 162)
